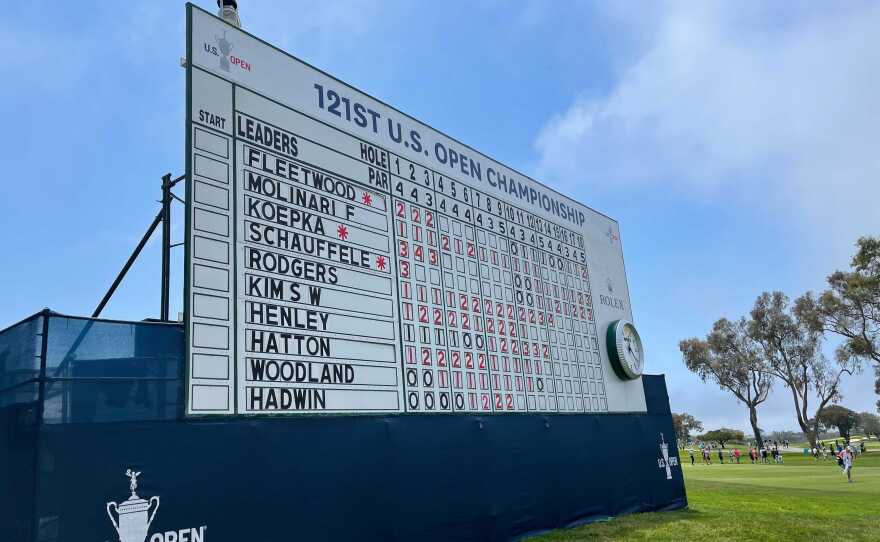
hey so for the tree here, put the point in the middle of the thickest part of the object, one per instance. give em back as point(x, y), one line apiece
point(844, 419)
point(790, 436)
point(851, 306)
point(791, 351)
point(730, 358)
point(684, 423)
point(723, 435)
point(870, 424)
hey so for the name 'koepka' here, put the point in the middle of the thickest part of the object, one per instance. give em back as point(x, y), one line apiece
point(285, 216)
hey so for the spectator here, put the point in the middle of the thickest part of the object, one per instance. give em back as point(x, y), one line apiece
point(736, 453)
point(847, 461)
point(720, 456)
point(693, 459)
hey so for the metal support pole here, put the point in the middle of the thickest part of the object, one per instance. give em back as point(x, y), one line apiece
point(164, 216)
point(44, 350)
point(128, 264)
point(166, 245)
point(38, 429)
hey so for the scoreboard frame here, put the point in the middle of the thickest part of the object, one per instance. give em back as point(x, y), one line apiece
point(217, 159)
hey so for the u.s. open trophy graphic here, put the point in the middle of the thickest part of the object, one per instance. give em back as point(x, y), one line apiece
point(664, 449)
point(133, 523)
point(225, 48)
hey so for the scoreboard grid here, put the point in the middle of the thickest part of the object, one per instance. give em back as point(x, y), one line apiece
point(491, 306)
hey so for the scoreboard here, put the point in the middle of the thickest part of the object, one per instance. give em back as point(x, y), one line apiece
point(343, 257)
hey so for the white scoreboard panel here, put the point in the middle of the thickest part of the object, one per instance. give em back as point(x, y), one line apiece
point(343, 257)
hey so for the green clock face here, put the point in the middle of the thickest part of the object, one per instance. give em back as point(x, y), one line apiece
point(625, 350)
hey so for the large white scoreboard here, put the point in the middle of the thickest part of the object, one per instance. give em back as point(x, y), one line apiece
point(343, 257)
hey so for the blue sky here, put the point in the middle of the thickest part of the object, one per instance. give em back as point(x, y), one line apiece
point(734, 142)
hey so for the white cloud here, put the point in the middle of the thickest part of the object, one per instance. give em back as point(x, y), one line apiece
point(777, 109)
point(321, 29)
point(769, 107)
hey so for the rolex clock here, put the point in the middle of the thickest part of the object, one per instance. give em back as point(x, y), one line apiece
point(625, 349)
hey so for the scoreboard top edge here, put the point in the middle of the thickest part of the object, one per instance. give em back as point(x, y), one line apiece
point(190, 5)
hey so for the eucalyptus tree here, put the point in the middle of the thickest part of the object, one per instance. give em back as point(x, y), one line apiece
point(684, 423)
point(792, 352)
point(844, 419)
point(869, 423)
point(851, 306)
point(723, 435)
point(731, 358)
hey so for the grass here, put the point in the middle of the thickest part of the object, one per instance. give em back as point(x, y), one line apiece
point(802, 499)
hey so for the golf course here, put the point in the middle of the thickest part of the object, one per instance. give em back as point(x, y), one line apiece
point(802, 499)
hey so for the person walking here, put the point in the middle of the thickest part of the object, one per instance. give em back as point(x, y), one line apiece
point(720, 456)
point(736, 454)
point(847, 464)
point(693, 459)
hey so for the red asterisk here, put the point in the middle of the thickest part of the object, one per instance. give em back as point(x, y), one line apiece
point(342, 232)
point(367, 199)
point(380, 262)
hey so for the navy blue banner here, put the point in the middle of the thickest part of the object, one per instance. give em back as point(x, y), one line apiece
point(104, 459)
point(346, 478)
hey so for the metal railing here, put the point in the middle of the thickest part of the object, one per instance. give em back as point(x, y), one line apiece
point(65, 369)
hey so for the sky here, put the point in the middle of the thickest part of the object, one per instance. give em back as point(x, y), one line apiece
point(735, 142)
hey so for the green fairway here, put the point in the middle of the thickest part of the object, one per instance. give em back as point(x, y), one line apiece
point(803, 499)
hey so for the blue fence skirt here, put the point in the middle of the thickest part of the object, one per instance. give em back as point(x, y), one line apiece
point(407, 477)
